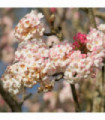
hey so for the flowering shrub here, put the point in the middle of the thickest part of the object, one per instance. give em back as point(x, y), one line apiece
point(36, 63)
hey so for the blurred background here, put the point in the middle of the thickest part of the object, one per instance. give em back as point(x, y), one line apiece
point(71, 20)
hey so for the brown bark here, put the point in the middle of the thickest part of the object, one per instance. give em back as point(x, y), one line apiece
point(13, 104)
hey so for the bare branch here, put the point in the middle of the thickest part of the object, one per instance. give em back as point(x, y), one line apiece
point(97, 13)
point(91, 17)
point(13, 104)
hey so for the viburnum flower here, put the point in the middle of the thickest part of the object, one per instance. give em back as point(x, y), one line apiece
point(52, 40)
point(95, 39)
point(59, 55)
point(74, 71)
point(12, 78)
point(31, 51)
point(36, 62)
point(26, 75)
point(29, 27)
point(97, 56)
point(96, 44)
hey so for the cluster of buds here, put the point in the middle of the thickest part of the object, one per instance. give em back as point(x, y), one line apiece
point(36, 63)
point(80, 41)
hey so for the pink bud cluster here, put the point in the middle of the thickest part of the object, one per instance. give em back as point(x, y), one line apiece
point(36, 63)
point(80, 41)
point(81, 38)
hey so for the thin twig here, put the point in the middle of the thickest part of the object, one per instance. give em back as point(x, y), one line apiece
point(77, 107)
point(49, 34)
point(25, 98)
point(73, 89)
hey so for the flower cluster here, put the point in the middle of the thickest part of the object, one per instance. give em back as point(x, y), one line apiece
point(85, 63)
point(80, 41)
point(36, 63)
point(31, 51)
point(96, 40)
point(29, 27)
point(59, 55)
point(96, 44)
